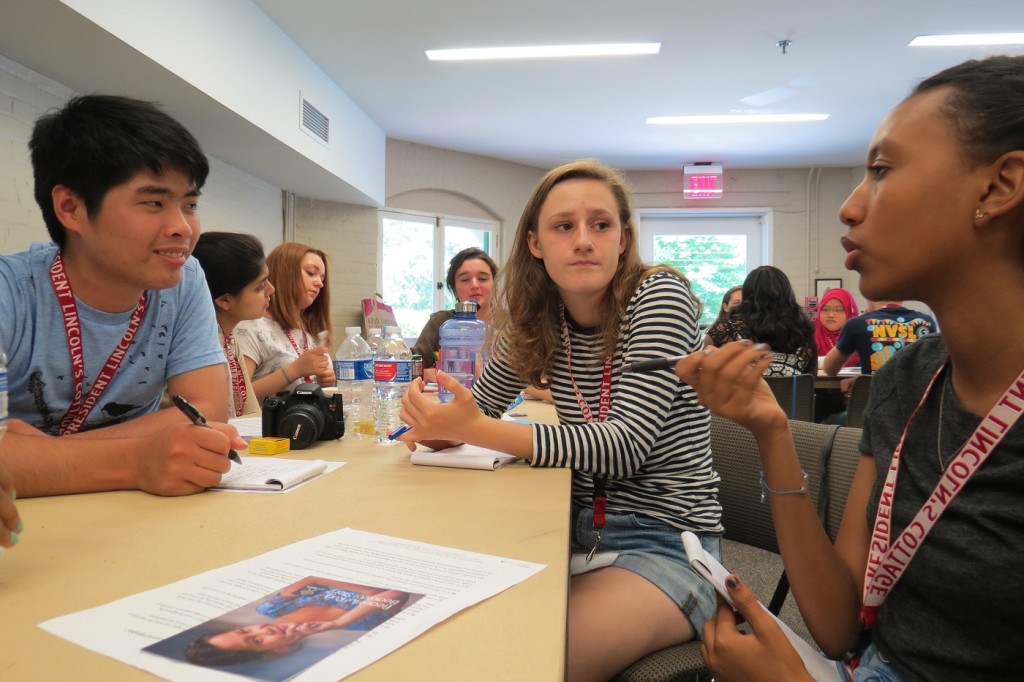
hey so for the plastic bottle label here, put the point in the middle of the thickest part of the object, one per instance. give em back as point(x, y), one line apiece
point(353, 370)
point(3, 395)
point(398, 371)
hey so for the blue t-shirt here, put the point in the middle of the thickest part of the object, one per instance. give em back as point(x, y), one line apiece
point(875, 336)
point(177, 334)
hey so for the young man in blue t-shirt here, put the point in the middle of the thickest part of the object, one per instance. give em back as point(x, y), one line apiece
point(876, 335)
point(97, 324)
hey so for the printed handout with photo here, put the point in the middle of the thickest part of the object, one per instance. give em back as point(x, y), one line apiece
point(282, 634)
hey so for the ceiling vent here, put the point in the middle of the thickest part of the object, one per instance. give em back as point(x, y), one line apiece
point(314, 123)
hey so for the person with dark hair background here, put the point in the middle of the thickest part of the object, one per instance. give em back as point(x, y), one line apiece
point(730, 302)
point(100, 322)
point(770, 314)
point(239, 280)
point(471, 274)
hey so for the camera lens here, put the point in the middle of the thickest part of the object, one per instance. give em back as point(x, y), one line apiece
point(303, 424)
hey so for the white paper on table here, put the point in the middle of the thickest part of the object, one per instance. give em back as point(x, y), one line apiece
point(462, 457)
point(450, 580)
point(820, 668)
point(273, 475)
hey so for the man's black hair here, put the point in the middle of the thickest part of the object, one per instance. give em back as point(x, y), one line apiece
point(97, 142)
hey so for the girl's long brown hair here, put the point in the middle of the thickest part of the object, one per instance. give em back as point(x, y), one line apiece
point(285, 266)
point(525, 315)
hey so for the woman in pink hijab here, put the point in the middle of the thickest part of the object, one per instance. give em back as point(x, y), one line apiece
point(834, 309)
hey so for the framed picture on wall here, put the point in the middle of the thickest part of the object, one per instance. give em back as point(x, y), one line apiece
point(823, 285)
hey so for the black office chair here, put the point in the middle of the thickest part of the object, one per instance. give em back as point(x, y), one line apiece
point(837, 477)
point(858, 400)
point(795, 395)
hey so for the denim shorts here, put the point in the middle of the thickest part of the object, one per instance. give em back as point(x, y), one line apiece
point(874, 668)
point(653, 550)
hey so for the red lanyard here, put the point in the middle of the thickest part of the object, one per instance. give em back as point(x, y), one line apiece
point(79, 408)
point(886, 564)
point(298, 353)
point(604, 405)
point(238, 389)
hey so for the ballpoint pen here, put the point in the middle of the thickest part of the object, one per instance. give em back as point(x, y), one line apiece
point(398, 432)
point(652, 365)
point(196, 417)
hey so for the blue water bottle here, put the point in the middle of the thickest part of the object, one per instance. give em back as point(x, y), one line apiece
point(462, 343)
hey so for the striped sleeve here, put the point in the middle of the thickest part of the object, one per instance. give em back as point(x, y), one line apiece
point(654, 446)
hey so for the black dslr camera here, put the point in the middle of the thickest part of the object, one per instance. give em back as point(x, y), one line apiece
point(303, 415)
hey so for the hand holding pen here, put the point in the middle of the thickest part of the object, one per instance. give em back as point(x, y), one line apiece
point(196, 417)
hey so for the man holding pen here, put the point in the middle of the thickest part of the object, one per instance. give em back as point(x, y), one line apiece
point(99, 323)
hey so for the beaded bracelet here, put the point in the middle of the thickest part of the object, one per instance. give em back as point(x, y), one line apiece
point(765, 489)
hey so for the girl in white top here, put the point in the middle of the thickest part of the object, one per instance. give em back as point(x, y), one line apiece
point(290, 344)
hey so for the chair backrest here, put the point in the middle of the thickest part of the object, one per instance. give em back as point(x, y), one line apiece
point(857, 401)
point(735, 458)
point(795, 395)
point(838, 471)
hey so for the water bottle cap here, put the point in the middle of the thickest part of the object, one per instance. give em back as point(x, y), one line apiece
point(469, 306)
point(352, 331)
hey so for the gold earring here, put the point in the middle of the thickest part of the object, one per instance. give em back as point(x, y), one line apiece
point(979, 214)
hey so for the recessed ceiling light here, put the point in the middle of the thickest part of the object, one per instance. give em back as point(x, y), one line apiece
point(954, 40)
point(544, 51)
point(735, 118)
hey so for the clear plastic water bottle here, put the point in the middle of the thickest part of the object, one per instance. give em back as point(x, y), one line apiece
point(374, 340)
point(353, 367)
point(462, 342)
point(3, 392)
point(392, 370)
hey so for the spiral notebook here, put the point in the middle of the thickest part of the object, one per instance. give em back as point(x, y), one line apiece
point(462, 457)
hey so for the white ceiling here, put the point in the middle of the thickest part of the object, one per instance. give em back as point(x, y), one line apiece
point(849, 60)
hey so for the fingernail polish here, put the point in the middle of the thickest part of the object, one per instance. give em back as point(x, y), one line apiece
point(14, 495)
point(21, 527)
point(745, 342)
point(762, 346)
point(732, 583)
point(14, 538)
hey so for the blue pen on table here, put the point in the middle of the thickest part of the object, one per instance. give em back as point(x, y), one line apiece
point(399, 431)
point(197, 418)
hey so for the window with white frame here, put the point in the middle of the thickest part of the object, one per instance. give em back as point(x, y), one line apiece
point(415, 249)
point(714, 248)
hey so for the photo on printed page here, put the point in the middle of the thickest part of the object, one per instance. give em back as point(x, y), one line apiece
point(282, 634)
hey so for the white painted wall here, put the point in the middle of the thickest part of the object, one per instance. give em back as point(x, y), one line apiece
point(233, 53)
point(232, 200)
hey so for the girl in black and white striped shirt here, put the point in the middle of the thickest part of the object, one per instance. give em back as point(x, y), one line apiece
point(574, 304)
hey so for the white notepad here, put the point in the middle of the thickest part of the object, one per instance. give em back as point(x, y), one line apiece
point(266, 475)
point(462, 457)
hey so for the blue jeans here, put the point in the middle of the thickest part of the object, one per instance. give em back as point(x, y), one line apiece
point(874, 668)
point(653, 550)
